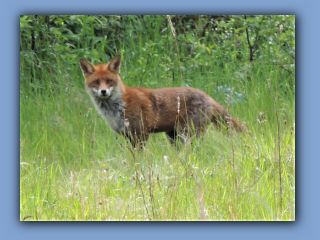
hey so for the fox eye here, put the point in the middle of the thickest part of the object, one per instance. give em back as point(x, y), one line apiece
point(96, 82)
point(109, 80)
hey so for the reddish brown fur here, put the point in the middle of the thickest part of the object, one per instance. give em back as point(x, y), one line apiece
point(171, 110)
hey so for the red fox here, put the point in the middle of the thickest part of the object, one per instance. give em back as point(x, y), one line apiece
point(135, 112)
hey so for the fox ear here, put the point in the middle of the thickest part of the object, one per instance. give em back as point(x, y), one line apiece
point(86, 66)
point(114, 64)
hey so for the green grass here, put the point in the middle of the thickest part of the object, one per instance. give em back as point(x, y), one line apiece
point(73, 167)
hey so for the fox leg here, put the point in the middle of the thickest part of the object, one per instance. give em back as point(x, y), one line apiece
point(137, 141)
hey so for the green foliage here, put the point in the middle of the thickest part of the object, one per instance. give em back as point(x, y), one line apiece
point(55, 43)
point(73, 167)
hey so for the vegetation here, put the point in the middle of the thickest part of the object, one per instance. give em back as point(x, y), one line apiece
point(73, 167)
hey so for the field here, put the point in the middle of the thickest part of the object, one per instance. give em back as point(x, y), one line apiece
point(74, 168)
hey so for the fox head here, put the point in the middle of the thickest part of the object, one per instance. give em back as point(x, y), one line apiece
point(102, 80)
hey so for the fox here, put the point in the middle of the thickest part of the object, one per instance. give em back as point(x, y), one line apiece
point(136, 112)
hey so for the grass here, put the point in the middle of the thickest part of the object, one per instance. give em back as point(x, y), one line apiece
point(73, 167)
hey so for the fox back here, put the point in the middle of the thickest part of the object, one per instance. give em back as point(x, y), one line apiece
point(136, 112)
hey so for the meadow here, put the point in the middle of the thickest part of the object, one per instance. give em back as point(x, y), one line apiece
point(73, 167)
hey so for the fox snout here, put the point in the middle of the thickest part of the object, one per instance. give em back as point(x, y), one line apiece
point(101, 93)
point(104, 93)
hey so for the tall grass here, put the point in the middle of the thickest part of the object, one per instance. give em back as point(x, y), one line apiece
point(73, 167)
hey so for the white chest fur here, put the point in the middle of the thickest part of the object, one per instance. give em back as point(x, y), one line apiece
point(112, 109)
